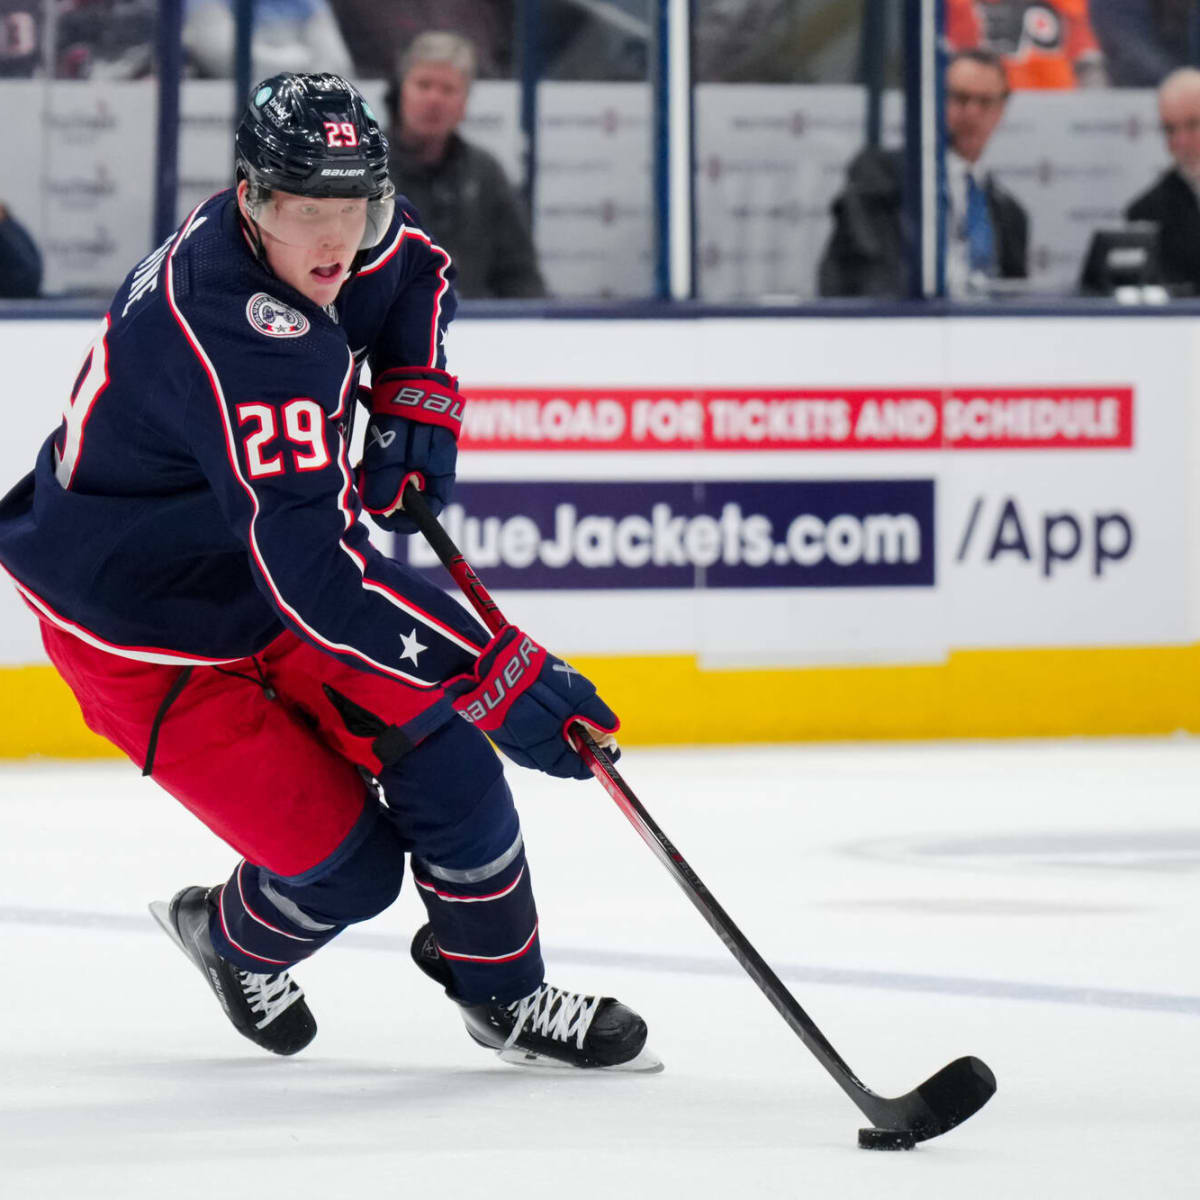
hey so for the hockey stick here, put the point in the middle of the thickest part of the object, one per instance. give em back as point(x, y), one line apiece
point(944, 1100)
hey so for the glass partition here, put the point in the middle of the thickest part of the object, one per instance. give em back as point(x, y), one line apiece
point(798, 110)
point(562, 103)
point(80, 101)
point(1072, 140)
point(593, 198)
point(1064, 164)
point(558, 119)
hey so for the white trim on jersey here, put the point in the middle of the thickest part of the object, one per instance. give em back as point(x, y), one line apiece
point(169, 658)
point(402, 233)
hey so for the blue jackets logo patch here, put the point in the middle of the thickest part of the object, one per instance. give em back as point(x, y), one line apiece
point(274, 318)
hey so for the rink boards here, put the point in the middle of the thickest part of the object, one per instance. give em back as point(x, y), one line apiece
point(770, 529)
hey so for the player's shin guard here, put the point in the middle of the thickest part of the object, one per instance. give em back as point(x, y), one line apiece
point(259, 928)
point(264, 922)
point(485, 922)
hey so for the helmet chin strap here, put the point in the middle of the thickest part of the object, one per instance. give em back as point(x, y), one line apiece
point(254, 237)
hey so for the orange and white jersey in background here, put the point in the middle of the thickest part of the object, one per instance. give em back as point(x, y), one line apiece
point(1041, 41)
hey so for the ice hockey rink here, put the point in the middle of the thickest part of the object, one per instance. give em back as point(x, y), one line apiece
point(1031, 903)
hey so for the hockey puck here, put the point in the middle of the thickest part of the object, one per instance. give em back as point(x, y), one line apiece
point(886, 1139)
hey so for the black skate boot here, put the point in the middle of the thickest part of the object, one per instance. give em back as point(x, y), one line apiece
point(268, 1009)
point(550, 1027)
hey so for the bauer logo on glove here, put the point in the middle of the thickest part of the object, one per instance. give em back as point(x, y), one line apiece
point(489, 703)
point(416, 416)
point(526, 700)
point(443, 408)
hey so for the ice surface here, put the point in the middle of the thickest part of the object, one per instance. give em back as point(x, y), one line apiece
point(1035, 904)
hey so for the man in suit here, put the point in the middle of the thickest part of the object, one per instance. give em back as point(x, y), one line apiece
point(987, 230)
point(1172, 202)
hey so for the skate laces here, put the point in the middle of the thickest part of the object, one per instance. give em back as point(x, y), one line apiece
point(269, 994)
point(554, 1013)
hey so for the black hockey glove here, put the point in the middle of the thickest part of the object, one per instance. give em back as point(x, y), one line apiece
point(525, 700)
point(416, 415)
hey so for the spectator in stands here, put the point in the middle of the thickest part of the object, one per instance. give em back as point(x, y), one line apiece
point(1050, 44)
point(460, 191)
point(611, 41)
point(20, 262)
point(377, 33)
point(1144, 40)
point(20, 38)
point(1172, 202)
point(776, 41)
point(987, 229)
point(105, 39)
point(289, 35)
point(578, 39)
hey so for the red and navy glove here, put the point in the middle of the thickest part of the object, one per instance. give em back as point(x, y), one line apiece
point(416, 415)
point(525, 700)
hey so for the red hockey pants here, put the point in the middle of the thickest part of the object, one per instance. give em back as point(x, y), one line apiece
point(275, 778)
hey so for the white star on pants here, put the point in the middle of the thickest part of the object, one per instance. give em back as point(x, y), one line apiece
point(411, 646)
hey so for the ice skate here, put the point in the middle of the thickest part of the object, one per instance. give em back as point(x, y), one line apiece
point(550, 1027)
point(268, 1009)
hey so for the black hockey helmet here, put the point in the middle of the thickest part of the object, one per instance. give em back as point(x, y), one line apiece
point(314, 135)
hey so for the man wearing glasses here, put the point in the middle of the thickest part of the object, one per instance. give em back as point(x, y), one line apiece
point(987, 230)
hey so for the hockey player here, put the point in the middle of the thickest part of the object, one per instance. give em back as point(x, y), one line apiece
point(191, 541)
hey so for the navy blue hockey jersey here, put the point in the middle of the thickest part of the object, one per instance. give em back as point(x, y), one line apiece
point(197, 497)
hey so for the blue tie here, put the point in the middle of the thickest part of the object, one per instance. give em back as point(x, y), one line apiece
point(981, 234)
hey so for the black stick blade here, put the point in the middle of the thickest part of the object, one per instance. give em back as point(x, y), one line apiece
point(946, 1099)
point(958, 1091)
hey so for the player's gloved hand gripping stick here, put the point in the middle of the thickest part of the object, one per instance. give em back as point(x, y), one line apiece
point(412, 437)
point(528, 702)
point(943, 1101)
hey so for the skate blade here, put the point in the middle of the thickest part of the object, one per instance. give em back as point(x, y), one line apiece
point(160, 910)
point(646, 1063)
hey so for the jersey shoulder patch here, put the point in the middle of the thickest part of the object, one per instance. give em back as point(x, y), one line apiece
point(275, 319)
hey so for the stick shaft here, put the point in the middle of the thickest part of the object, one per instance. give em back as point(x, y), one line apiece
point(461, 570)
